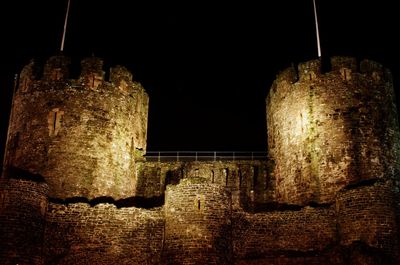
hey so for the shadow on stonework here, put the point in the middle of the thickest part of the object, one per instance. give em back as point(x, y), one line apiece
point(359, 253)
point(138, 202)
point(273, 206)
point(362, 183)
point(141, 202)
point(223, 244)
point(172, 178)
point(17, 173)
point(102, 199)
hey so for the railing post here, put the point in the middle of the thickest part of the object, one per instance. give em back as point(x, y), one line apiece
point(159, 154)
point(177, 156)
point(233, 156)
point(215, 156)
point(252, 156)
point(196, 156)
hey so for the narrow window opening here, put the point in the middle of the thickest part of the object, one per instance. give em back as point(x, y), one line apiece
point(54, 121)
point(301, 123)
point(346, 74)
point(212, 176)
point(226, 174)
point(199, 202)
point(132, 147)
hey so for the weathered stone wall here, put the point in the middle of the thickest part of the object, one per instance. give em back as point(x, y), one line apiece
point(367, 215)
point(305, 236)
point(197, 223)
point(361, 227)
point(328, 130)
point(81, 135)
point(250, 182)
point(103, 234)
point(23, 206)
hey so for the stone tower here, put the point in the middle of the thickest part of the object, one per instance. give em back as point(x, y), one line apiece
point(329, 130)
point(197, 223)
point(81, 135)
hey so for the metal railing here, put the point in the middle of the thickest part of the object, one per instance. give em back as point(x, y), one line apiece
point(161, 156)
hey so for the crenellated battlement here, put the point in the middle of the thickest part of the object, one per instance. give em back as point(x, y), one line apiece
point(56, 68)
point(329, 127)
point(74, 132)
point(56, 72)
point(341, 66)
point(340, 62)
point(309, 70)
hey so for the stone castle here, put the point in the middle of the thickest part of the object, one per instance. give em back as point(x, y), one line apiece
point(77, 187)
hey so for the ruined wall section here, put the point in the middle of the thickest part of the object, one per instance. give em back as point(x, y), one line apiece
point(328, 130)
point(359, 228)
point(103, 234)
point(23, 206)
point(250, 182)
point(197, 223)
point(81, 135)
point(305, 236)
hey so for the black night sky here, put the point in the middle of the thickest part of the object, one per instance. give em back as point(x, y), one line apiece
point(206, 65)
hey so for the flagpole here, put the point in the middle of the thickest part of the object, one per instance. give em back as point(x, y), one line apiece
point(65, 27)
point(317, 30)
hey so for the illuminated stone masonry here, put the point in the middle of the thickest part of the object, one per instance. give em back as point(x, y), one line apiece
point(76, 188)
point(330, 130)
point(81, 135)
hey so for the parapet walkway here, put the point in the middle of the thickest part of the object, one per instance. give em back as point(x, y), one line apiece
point(164, 156)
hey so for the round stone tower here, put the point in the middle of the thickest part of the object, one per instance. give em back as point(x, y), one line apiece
point(197, 223)
point(82, 135)
point(333, 129)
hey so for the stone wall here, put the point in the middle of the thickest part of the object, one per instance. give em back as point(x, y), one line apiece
point(102, 234)
point(23, 206)
point(82, 135)
point(328, 130)
point(250, 182)
point(367, 215)
point(197, 223)
point(305, 236)
point(361, 227)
